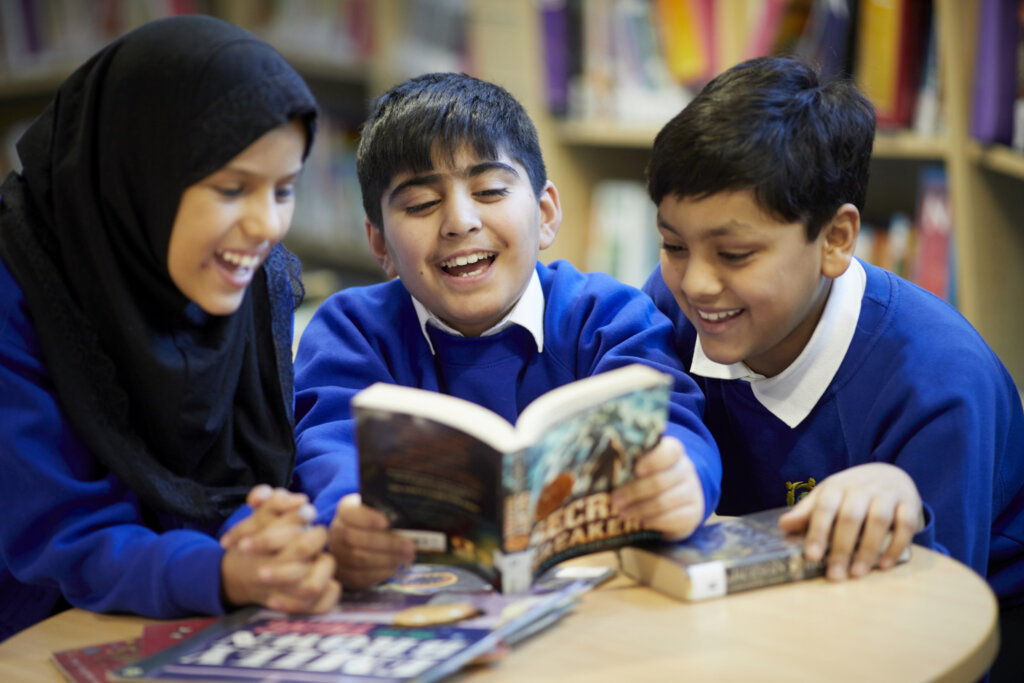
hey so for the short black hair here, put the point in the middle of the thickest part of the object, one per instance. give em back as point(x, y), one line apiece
point(773, 126)
point(438, 113)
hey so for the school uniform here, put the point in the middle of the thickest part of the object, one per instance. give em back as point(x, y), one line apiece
point(891, 374)
point(566, 326)
point(133, 423)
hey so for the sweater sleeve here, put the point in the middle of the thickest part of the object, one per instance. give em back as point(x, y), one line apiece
point(618, 325)
point(337, 357)
point(73, 525)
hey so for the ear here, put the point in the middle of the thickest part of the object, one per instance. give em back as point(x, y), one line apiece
point(379, 248)
point(550, 214)
point(838, 240)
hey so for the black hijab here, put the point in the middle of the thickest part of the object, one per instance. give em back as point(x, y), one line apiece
point(189, 410)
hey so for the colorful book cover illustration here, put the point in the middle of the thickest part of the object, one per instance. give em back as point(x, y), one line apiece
point(422, 625)
point(509, 502)
point(728, 556)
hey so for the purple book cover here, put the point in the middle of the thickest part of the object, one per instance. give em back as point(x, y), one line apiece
point(557, 58)
point(995, 81)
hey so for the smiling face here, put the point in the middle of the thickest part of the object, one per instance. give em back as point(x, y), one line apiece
point(228, 222)
point(753, 287)
point(464, 236)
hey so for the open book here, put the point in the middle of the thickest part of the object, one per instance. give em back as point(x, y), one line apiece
point(509, 501)
point(728, 556)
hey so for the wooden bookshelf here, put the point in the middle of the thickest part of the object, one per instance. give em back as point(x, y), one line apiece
point(505, 45)
point(986, 183)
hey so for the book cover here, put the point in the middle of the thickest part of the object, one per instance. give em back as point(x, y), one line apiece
point(995, 68)
point(509, 501)
point(91, 664)
point(729, 556)
point(686, 35)
point(890, 52)
point(934, 265)
point(422, 625)
point(558, 70)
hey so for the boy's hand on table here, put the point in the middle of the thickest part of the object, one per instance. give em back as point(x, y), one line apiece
point(856, 509)
point(366, 549)
point(269, 504)
point(288, 571)
point(666, 495)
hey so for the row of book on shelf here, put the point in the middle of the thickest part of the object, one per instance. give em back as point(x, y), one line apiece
point(495, 512)
point(997, 105)
point(639, 61)
point(41, 34)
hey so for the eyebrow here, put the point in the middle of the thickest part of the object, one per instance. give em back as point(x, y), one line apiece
point(433, 178)
point(730, 227)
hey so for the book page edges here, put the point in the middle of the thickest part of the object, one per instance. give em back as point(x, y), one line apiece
point(575, 397)
point(466, 416)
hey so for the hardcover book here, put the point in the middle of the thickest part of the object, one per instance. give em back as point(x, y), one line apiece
point(729, 556)
point(422, 625)
point(505, 501)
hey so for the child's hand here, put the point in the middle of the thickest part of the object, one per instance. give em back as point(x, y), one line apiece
point(666, 495)
point(861, 504)
point(289, 571)
point(363, 545)
point(268, 504)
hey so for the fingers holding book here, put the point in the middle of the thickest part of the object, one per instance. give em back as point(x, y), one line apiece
point(367, 551)
point(864, 516)
point(666, 495)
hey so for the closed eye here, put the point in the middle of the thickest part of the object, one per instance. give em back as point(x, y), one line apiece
point(735, 255)
point(420, 208)
point(230, 192)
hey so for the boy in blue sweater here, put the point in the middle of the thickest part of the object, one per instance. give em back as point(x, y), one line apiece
point(830, 383)
point(458, 207)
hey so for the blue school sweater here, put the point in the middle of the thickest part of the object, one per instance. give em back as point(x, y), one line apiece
point(358, 336)
point(918, 388)
point(71, 526)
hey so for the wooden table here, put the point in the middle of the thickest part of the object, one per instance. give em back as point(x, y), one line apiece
point(929, 619)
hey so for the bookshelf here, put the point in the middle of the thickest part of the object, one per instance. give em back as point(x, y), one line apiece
point(986, 183)
point(504, 44)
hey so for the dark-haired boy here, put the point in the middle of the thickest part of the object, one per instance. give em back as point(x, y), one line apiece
point(827, 379)
point(458, 207)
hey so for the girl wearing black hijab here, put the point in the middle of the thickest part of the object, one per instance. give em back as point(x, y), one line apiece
point(145, 334)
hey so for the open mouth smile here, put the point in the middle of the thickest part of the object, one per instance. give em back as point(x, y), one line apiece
point(718, 316)
point(468, 265)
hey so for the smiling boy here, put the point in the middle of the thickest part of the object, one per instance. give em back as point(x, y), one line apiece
point(827, 378)
point(458, 207)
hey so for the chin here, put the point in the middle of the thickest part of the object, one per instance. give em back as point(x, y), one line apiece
point(219, 307)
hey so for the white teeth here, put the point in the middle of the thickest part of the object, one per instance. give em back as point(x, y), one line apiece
point(241, 260)
point(465, 260)
point(715, 317)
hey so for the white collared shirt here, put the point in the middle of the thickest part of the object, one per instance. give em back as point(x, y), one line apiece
point(527, 312)
point(793, 393)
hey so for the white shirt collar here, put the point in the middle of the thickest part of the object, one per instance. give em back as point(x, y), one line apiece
point(793, 393)
point(527, 312)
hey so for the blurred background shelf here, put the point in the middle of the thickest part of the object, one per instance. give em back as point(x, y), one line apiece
point(598, 108)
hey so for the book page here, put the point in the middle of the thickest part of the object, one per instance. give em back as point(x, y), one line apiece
point(475, 420)
point(571, 399)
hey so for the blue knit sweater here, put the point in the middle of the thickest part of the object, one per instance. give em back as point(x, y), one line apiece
point(918, 388)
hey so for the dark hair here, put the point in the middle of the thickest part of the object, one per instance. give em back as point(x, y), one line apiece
point(438, 113)
point(770, 125)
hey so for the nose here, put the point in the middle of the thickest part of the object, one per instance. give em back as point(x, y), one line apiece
point(698, 280)
point(265, 218)
point(461, 216)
